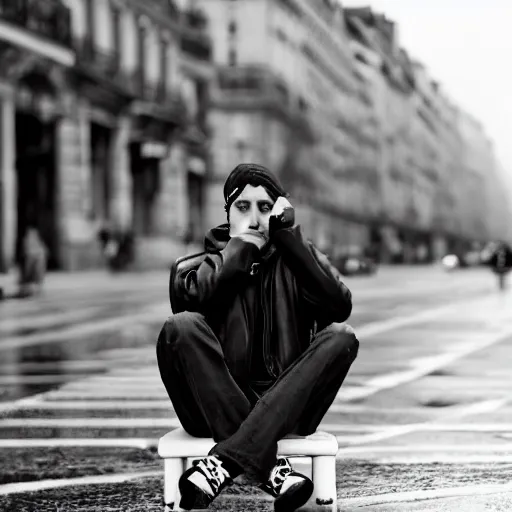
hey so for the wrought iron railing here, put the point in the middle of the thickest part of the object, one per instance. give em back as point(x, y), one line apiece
point(48, 18)
point(106, 62)
point(197, 45)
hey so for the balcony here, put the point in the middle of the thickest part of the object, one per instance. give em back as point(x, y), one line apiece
point(106, 63)
point(254, 82)
point(256, 87)
point(102, 66)
point(155, 99)
point(46, 18)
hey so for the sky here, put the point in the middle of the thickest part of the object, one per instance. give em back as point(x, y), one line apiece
point(466, 45)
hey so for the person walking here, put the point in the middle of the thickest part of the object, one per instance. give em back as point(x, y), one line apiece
point(501, 262)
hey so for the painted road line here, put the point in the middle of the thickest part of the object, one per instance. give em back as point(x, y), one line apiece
point(412, 458)
point(96, 404)
point(43, 321)
point(411, 496)
point(85, 423)
point(53, 367)
point(77, 333)
point(68, 482)
point(93, 381)
point(113, 385)
point(434, 448)
point(351, 408)
point(470, 427)
point(38, 319)
point(421, 427)
point(388, 381)
point(34, 380)
point(80, 442)
point(376, 328)
point(457, 411)
point(156, 394)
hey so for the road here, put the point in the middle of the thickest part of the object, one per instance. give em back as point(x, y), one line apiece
point(424, 419)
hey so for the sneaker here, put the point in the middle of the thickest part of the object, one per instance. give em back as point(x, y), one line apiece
point(289, 488)
point(202, 483)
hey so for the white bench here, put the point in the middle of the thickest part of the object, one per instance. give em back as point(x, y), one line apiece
point(179, 449)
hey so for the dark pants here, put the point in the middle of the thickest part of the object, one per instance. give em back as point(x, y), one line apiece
point(209, 403)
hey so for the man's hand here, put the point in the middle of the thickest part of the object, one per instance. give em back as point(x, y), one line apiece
point(282, 215)
point(254, 237)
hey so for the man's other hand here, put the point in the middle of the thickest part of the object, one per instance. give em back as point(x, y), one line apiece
point(282, 214)
point(254, 237)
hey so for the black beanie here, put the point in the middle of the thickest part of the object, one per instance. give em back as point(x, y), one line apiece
point(251, 174)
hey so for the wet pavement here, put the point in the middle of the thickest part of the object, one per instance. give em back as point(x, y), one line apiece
point(426, 407)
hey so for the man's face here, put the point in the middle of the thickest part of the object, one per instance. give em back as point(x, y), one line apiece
point(250, 210)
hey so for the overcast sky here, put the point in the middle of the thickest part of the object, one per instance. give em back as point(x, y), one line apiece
point(467, 46)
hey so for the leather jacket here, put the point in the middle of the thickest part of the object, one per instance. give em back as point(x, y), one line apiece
point(299, 291)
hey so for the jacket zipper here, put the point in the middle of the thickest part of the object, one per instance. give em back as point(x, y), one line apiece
point(266, 330)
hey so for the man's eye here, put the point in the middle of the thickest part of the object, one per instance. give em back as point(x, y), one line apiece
point(243, 207)
point(265, 208)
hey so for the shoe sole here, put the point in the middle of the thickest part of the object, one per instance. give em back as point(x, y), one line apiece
point(294, 497)
point(192, 497)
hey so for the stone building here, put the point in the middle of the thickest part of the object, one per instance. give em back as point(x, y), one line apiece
point(437, 165)
point(103, 123)
point(287, 96)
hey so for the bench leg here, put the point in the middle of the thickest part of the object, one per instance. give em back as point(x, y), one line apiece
point(173, 469)
point(324, 480)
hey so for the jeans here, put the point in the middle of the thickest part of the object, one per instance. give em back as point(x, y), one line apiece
point(209, 403)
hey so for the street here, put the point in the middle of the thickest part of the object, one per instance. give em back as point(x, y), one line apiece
point(423, 420)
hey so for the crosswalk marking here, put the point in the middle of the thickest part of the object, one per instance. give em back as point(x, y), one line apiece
point(68, 482)
point(414, 496)
point(79, 442)
point(45, 405)
point(89, 423)
point(155, 313)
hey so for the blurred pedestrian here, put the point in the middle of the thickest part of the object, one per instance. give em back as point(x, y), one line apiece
point(33, 262)
point(256, 348)
point(501, 262)
point(117, 245)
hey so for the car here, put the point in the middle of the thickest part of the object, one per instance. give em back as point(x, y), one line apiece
point(355, 265)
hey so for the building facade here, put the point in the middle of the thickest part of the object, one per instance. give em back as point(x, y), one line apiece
point(377, 158)
point(103, 124)
point(437, 167)
point(288, 96)
point(130, 114)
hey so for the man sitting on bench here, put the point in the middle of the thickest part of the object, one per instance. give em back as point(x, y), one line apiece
point(256, 349)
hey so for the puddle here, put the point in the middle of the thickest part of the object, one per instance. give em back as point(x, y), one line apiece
point(92, 355)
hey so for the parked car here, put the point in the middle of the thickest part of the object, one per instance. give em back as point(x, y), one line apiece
point(355, 265)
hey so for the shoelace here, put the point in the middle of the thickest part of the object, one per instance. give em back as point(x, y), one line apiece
point(214, 472)
point(279, 473)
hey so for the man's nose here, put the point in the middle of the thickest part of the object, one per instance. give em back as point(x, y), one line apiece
point(255, 219)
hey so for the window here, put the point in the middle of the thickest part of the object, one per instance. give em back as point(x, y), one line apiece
point(116, 33)
point(90, 15)
point(232, 57)
point(232, 28)
point(164, 69)
point(142, 41)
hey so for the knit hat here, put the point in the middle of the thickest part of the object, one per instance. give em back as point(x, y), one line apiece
point(251, 174)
